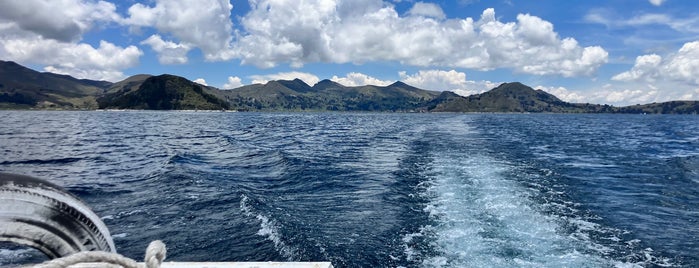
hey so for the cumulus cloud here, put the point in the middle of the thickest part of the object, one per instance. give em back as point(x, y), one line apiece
point(622, 95)
point(451, 80)
point(49, 33)
point(64, 20)
point(80, 60)
point(308, 78)
point(431, 10)
point(435, 79)
point(618, 94)
point(656, 78)
point(200, 81)
point(682, 66)
point(565, 94)
point(168, 52)
point(276, 31)
point(354, 79)
point(646, 67)
point(476, 87)
point(204, 24)
point(233, 82)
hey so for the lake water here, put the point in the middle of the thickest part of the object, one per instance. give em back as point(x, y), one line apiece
point(376, 190)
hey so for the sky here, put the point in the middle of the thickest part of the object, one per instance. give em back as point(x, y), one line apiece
point(606, 52)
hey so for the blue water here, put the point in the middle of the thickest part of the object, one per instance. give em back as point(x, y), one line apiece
point(376, 190)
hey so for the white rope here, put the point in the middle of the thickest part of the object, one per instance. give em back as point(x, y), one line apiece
point(155, 254)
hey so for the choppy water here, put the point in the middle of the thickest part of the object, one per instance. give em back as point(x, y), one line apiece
point(376, 190)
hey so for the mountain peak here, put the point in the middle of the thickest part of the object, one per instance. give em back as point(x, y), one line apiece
point(326, 84)
point(297, 85)
point(513, 86)
point(399, 84)
point(522, 92)
point(11, 64)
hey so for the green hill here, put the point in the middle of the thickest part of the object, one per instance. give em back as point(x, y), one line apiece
point(670, 107)
point(21, 87)
point(295, 95)
point(164, 92)
point(127, 85)
point(511, 98)
point(24, 88)
point(518, 98)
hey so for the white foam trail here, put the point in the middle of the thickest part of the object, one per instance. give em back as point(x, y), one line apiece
point(268, 228)
point(486, 219)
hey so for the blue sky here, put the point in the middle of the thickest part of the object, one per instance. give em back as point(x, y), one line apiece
point(614, 52)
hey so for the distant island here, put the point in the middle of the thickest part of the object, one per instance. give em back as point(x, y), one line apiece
point(24, 88)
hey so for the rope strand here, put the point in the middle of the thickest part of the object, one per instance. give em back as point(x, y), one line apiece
point(155, 254)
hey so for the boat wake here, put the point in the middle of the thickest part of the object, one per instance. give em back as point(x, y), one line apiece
point(269, 228)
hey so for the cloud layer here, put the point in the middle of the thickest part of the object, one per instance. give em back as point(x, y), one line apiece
point(277, 32)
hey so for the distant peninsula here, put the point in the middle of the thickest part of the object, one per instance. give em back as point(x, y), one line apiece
point(24, 88)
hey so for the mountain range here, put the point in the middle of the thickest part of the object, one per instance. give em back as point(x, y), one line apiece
point(24, 88)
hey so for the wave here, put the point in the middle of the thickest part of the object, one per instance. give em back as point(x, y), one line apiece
point(52, 161)
point(269, 228)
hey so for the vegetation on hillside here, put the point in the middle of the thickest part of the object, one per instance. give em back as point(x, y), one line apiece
point(23, 88)
point(164, 92)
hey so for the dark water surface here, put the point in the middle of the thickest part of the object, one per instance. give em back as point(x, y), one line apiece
point(376, 190)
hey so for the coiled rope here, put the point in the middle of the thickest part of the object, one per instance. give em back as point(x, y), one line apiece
point(155, 254)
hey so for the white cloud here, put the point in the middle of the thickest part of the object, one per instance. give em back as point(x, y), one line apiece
point(436, 80)
point(564, 94)
point(202, 24)
point(430, 10)
point(476, 87)
point(655, 78)
point(80, 60)
point(627, 93)
point(359, 79)
point(646, 67)
point(233, 82)
point(451, 80)
point(168, 52)
point(277, 31)
point(623, 96)
point(656, 2)
point(308, 78)
point(200, 81)
point(49, 33)
point(682, 67)
point(62, 20)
